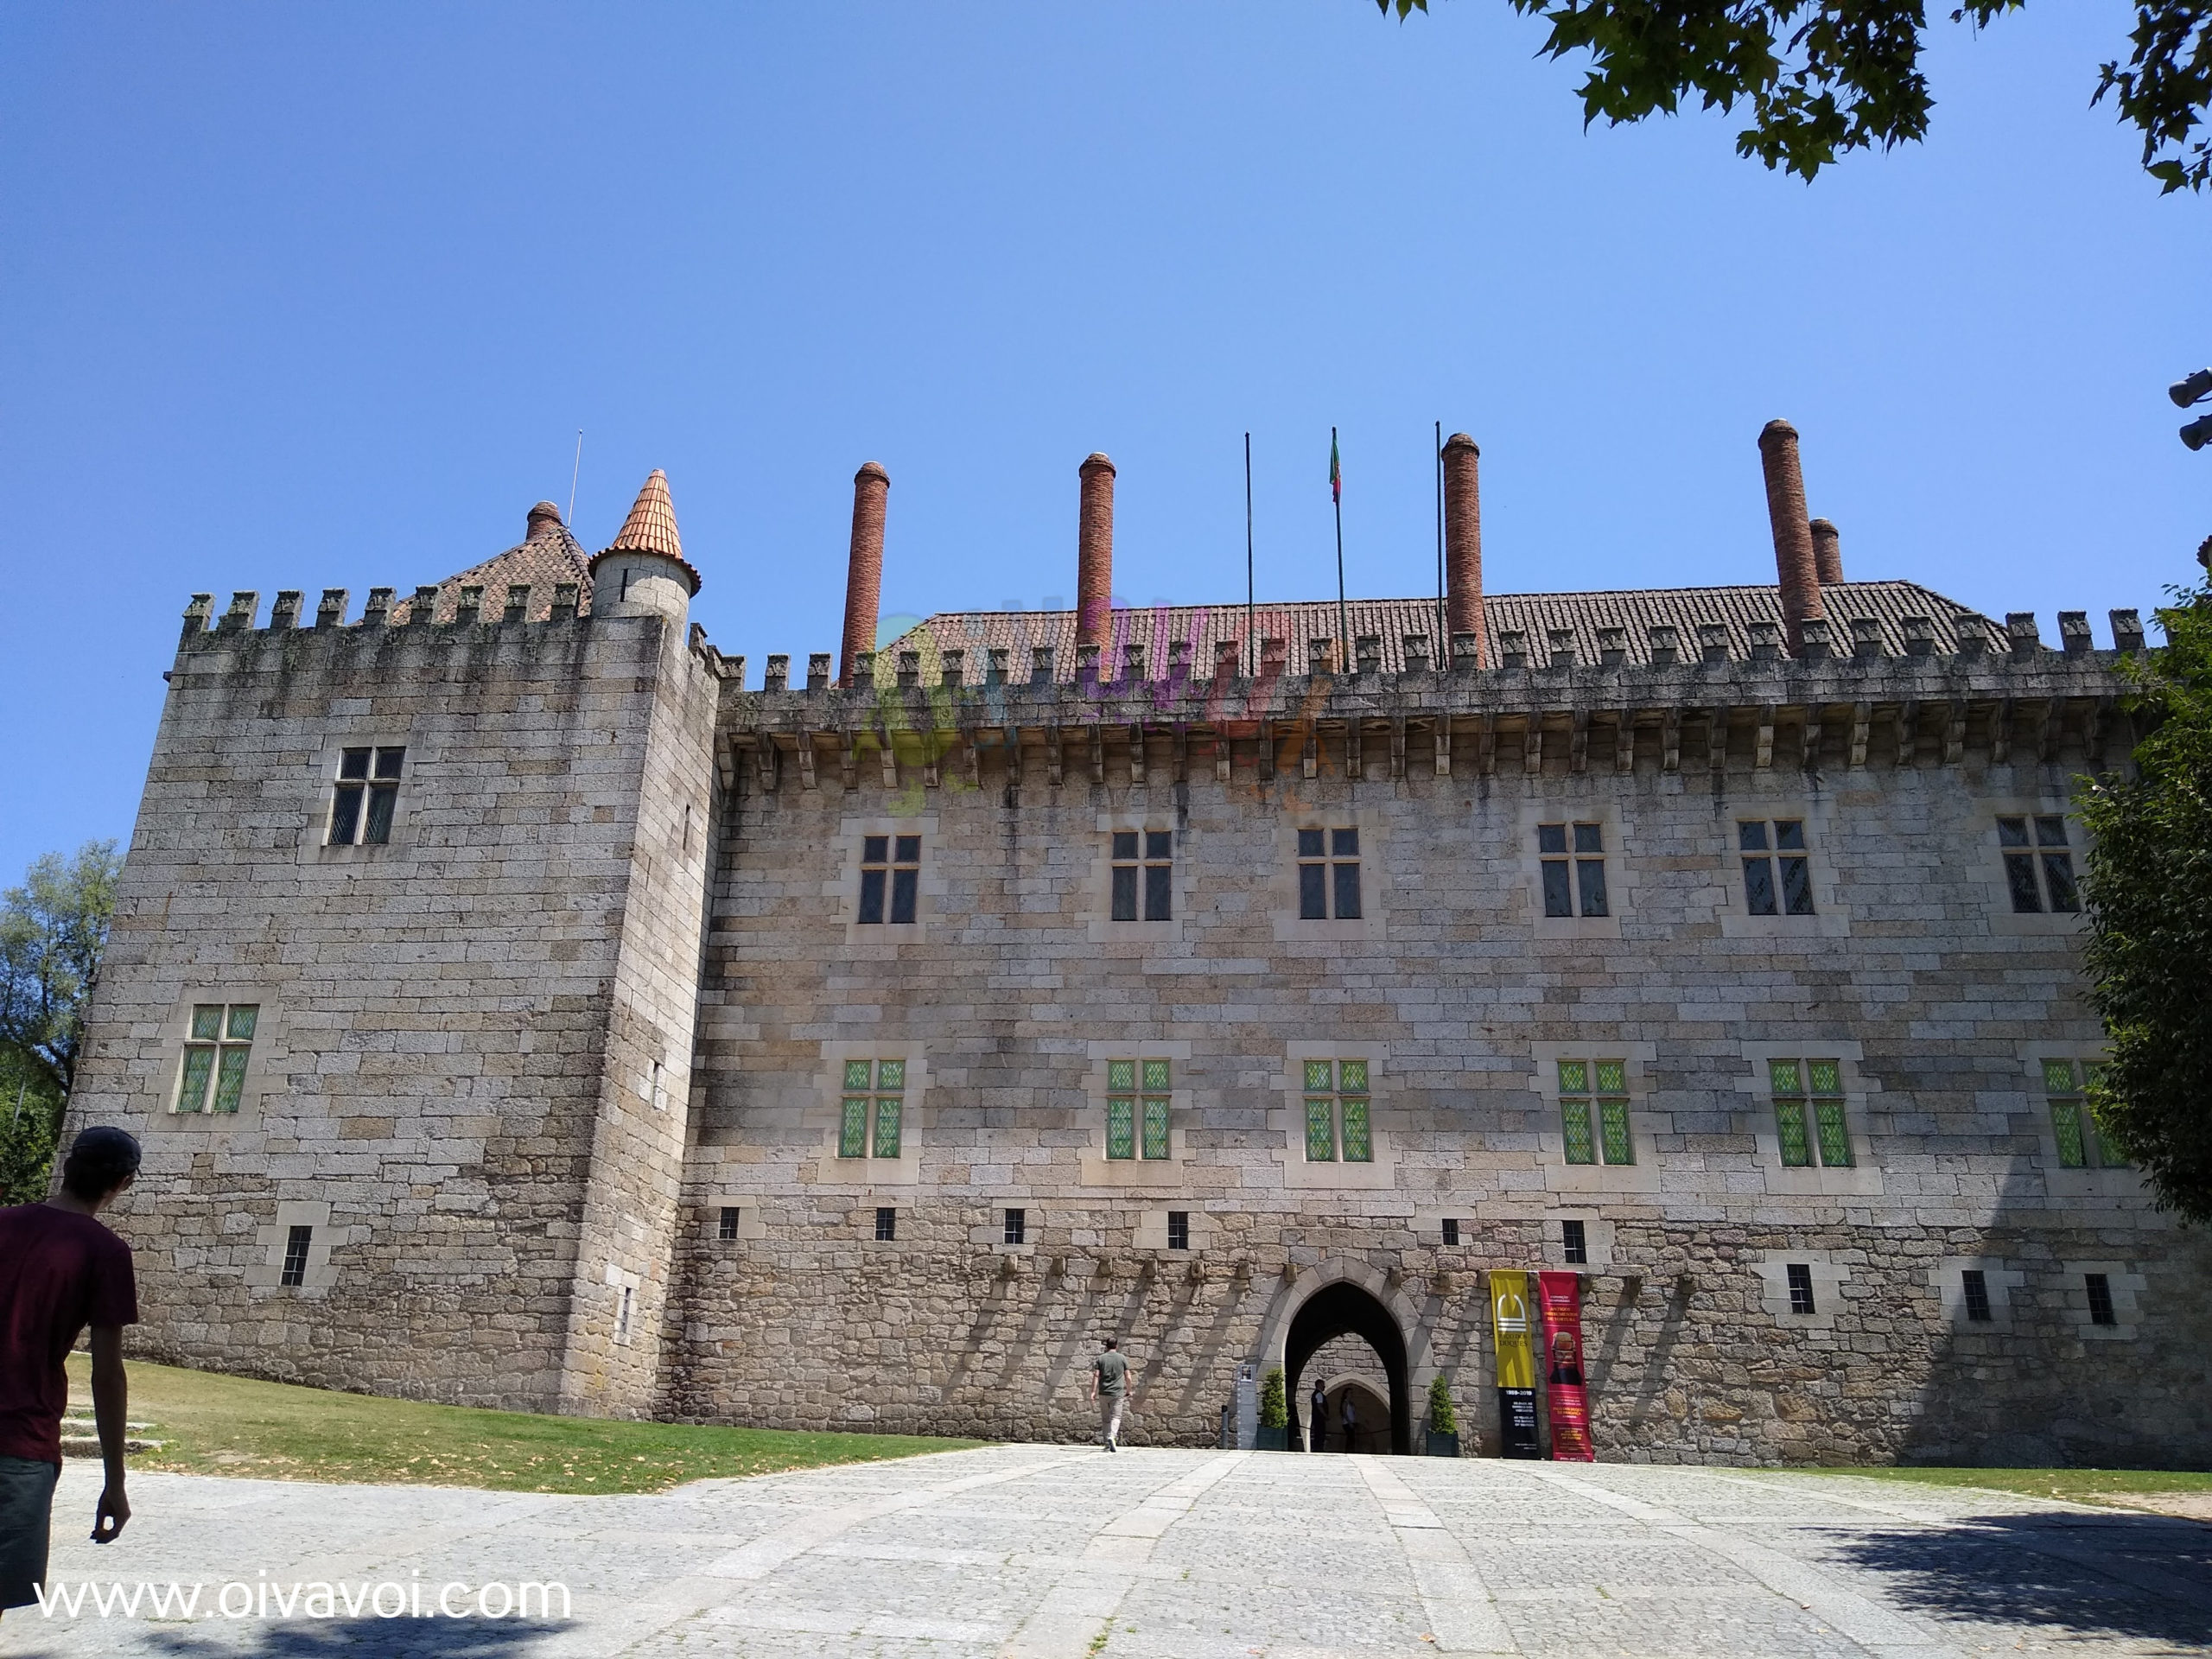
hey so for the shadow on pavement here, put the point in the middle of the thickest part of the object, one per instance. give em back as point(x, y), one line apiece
point(2143, 1577)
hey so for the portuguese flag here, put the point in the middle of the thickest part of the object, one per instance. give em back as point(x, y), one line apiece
point(1335, 476)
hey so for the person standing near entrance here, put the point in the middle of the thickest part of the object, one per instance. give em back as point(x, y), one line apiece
point(61, 1270)
point(1351, 1421)
point(1318, 1415)
point(1109, 1382)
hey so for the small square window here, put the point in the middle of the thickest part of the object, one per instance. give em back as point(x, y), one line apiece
point(2099, 1286)
point(1801, 1288)
point(887, 1225)
point(1973, 1285)
point(296, 1256)
point(1574, 1243)
point(622, 1315)
point(1178, 1229)
point(1775, 885)
point(1328, 883)
point(1451, 1230)
point(890, 866)
point(1017, 1226)
point(727, 1228)
point(366, 779)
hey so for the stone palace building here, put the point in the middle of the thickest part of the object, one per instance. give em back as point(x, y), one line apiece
point(522, 1005)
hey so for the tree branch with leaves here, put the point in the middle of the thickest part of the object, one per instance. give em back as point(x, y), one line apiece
point(2148, 893)
point(1824, 77)
point(53, 929)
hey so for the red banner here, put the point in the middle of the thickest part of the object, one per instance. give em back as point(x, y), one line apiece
point(1559, 1297)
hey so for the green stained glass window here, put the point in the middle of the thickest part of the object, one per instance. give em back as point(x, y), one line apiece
point(1359, 1147)
point(1835, 1145)
point(192, 1086)
point(1573, 1077)
point(2110, 1152)
point(1613, 1118)
point(1122, 1075)
point(230, 1079)
point(1320, 1075)
point(206, 1023)
point(852, 1130)
point(1612, 1076)
point(1320, 1129)
point(240, 1028)
point(1826, 1077)
point(1155, 1076)
point(2066, 1124)
point(856, 1074)
point(2058, 1078)
point(888, 1114)
point(1575, 1124)
point(1789, 1123)
point(1353, 1076)
point(1156, 1126)
point(1121, 1126)
point(890, 1075)
point(1785, 1077)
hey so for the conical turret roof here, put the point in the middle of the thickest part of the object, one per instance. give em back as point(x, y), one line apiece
point(651, 527)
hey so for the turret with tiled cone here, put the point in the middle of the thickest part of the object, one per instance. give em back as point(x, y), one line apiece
point(643, 570)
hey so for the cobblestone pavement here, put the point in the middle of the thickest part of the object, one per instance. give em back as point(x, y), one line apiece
point(1048, 1551)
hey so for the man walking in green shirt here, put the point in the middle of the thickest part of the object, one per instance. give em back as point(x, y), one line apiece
point(1109, 1382)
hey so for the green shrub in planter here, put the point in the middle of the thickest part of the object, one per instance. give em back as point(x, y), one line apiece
point(1442, 1420)
point(1275, 1402)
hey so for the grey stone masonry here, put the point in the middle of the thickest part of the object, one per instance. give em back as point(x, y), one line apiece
point(531, 1014)
point(451, 1079)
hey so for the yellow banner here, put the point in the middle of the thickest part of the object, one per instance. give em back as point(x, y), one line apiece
point(1509, 1319)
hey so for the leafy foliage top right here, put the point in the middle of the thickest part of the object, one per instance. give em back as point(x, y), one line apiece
point(1826, 76)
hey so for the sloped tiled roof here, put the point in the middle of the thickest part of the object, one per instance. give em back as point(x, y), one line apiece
point(1634, 610)
point(651, 527)
point(549, 555)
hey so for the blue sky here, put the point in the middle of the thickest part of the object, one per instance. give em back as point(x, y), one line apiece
point(319, 297)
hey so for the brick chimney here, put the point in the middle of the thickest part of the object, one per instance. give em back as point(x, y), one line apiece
point(1793, 532)
point(1094, 575)
point(864, 576)
point(1463, 542)
point(1827, 552)
point(545, 519)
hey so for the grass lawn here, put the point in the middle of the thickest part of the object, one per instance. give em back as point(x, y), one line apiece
point(2077, 1485)
point(214, 1425)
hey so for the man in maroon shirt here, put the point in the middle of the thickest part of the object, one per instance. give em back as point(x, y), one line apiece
point(61, 1270)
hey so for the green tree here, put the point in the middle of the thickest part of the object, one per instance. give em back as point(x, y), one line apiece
point(1442, 1420)
point(1822, 77)
point(53, 929)
point(28, 1112)
point(2148, 893)
point(1275, 1403)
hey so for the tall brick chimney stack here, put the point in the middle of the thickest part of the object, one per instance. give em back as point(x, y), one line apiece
point(1793, 532)
point(1463, 545)
point(545, 519)
point(864, 576)
point(1094, 575)
point(1827, 552)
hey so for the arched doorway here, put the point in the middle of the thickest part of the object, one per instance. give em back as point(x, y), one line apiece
point(1340, 1309)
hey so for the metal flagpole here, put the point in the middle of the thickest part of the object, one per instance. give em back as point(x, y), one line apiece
point(1336, 491)
point(1250, 644)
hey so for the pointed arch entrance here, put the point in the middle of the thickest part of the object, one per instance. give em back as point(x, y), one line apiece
point(1346, 1308)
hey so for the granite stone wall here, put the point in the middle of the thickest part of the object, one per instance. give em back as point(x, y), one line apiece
point(1013, 990)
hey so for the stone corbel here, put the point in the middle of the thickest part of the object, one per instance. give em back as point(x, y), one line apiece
point(1862, 722)
point(849, 760)
point(1266, 752)
point(1532, 745)
point(806, 780)
point(1954, 731)
point(764, 761)
point(1136, 753)
point(1222, 754)
point(1670, 742)
point(1762, 758)
point(1577, 747)
point(887, 759)
point(1180, 755)
point(1624, 742)
point(1355, 749)
point(1097, 754)
point(1909, 733)
point(2054, 715)
point(1309, 757)
point(1444, 746)
point(1055, 756)
point(1010, 744)
point(1808, 748)
point(1397, 745)
point(1716, 740)
point(2000, 732)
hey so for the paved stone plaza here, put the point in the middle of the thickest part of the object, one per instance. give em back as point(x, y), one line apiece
point(1044, 1550)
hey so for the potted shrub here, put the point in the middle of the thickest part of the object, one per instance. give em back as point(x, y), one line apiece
point(1275, 1414)
point(1443, 1421)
